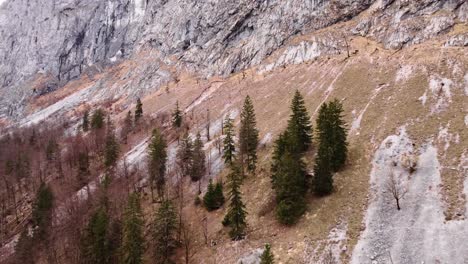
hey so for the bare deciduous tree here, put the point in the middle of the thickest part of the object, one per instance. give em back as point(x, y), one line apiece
point(187, 242)
point(396, 189)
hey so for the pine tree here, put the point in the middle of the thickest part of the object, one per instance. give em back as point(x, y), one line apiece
point(177, 116)
point(229, 148)
point(288, 170)
point(127, 126)
point(23, 248)
point(41, 213)
point(299, 126)
point(290, 187)
point(185, 155)
point(209, 200)
point(235, 217)
point(337, 141)
point(218, 194)
point(198, 160)
point(51, 149)
point(132, 240)
point(83, 166)
point(85, 124)
point(248, 136)
point(323, 177)
point(138, 110)
point(164, 233)
point(214, 197)
point(95, 244)
point(111, 149)
point(267, 257)
point(157, 162)
point(333, 148)
point(97, 120)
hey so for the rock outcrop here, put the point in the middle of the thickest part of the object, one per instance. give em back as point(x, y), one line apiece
point(62, 39)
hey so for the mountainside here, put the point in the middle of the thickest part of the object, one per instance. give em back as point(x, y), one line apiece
point(399, 68)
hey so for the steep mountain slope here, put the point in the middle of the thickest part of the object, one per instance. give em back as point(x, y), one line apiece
point(404, 87)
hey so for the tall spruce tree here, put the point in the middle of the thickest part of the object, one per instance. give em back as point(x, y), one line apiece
point(198, 161)
point(157, 162)
point(290, 186)
point(95, 243)
point(42, 211)
point(23, 248)
point(322, 182)
point(209, 199)
point(83, 168)
point(333, 147)
point(288, 170)
point(235, 217)
point(132, 241)
point(164, 233)
point(267, 257)
point(138, 110)
point(97, 120)
point(299, 126)
point(229, 147)
point(214, 197)
point(177, 116)
point(248, 136)
point(111, 149)
point(127, 127)
point(85, 123)
point(337, 140)
point(218, 194)
point(184, 155)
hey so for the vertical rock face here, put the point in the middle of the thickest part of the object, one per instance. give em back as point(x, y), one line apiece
point(61, 39)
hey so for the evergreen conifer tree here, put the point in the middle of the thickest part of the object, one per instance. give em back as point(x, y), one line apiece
point(267, 257)
point(23, 248)
point(41, 212)
point(95, 247)
point(288, 170)
point(138, 110)
point(214, 197)
point(198, 161)
point(185, 155)
point(209, 200)
point(218, 194)
point(83, 167)
point(235, 217)
point(132, 240)
point(248, 136)
point(111, 149)
point(290, 187)
point(164, 233)
point(338, 137)
point(157, 162)
point(85, 124)
point(177, 116)
point(333, 147)
point(97, 120)
point(299, 127)
point(322, 182)
point(229, 147)
point(127, 126)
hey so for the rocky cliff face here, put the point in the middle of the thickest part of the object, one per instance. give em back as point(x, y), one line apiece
point(62, 39)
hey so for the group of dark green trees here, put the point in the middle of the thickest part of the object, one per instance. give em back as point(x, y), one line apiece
point(241, 163)
point(41, 222)
point(289, 175)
